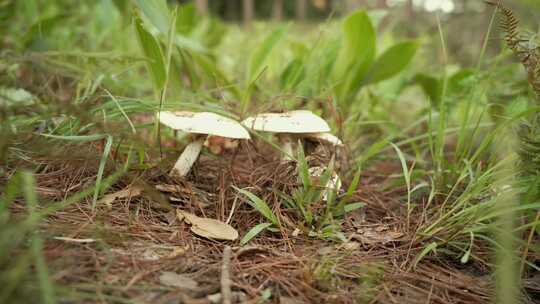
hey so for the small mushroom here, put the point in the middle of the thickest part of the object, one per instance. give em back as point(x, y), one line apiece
point(199, 125)
point(333, 183)
point(289, 127)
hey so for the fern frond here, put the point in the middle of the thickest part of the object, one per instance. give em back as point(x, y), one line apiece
point(520, 46)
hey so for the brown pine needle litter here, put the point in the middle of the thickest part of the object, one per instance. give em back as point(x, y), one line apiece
point(136, 240)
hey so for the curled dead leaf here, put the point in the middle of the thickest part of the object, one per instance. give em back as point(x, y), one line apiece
point(208, 228)
point(131, 191)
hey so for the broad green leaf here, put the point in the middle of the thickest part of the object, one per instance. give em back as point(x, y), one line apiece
point(356, 55)
point(254, 232)
point(431, 86)
point(187, 19)
point(459, 82)
point(152, 52)
point(392, 61)
point(157, 12)
point(256, 63)
point(260, 206)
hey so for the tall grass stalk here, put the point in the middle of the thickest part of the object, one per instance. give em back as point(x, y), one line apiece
point(507, 272)
point(441, 130)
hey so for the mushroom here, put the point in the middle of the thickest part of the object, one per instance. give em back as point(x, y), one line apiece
point(199, 125)
point(333, 183)
point(288, 126)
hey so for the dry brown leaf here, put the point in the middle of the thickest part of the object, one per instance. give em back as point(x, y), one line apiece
point(379, 234)
point(208, 228)
point(131, 191)
point(177, 251)
point(171, 188)
point(174, 279)
point(350, 246)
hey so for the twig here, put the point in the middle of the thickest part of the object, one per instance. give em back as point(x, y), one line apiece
point(226, 276)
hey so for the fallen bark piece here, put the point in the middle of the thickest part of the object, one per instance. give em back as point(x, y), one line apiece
point(208, 228)
point(174, 279)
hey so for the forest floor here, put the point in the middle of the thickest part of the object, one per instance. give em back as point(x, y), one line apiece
point(134, 247)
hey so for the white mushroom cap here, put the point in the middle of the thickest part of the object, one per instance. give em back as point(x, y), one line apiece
point(289, 122)
point(203, 123)
point(327, 138)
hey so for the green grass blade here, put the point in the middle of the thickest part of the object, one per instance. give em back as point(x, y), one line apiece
point(254, 232)
point(407, 177)
point(303, 167)
point(259, 205)
point(152, 51)
point(260, 55)
point(45, 284)
point(101, 169)
point(429, 248)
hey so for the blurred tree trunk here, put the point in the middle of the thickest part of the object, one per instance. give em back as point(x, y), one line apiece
point(381, 4)
point(202, 6)
point(277, 10)
point(410, 9)
point(247, 7)
point(351, 5)
point(231, 10)
point(301, 9)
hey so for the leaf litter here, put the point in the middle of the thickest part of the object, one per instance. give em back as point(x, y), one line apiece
point(145, 245)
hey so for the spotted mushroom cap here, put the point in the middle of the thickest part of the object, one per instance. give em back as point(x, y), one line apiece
point(203, 123)
point(299, 122)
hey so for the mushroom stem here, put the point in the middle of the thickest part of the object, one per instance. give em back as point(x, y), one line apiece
point(188, 157)
point(288, 147)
